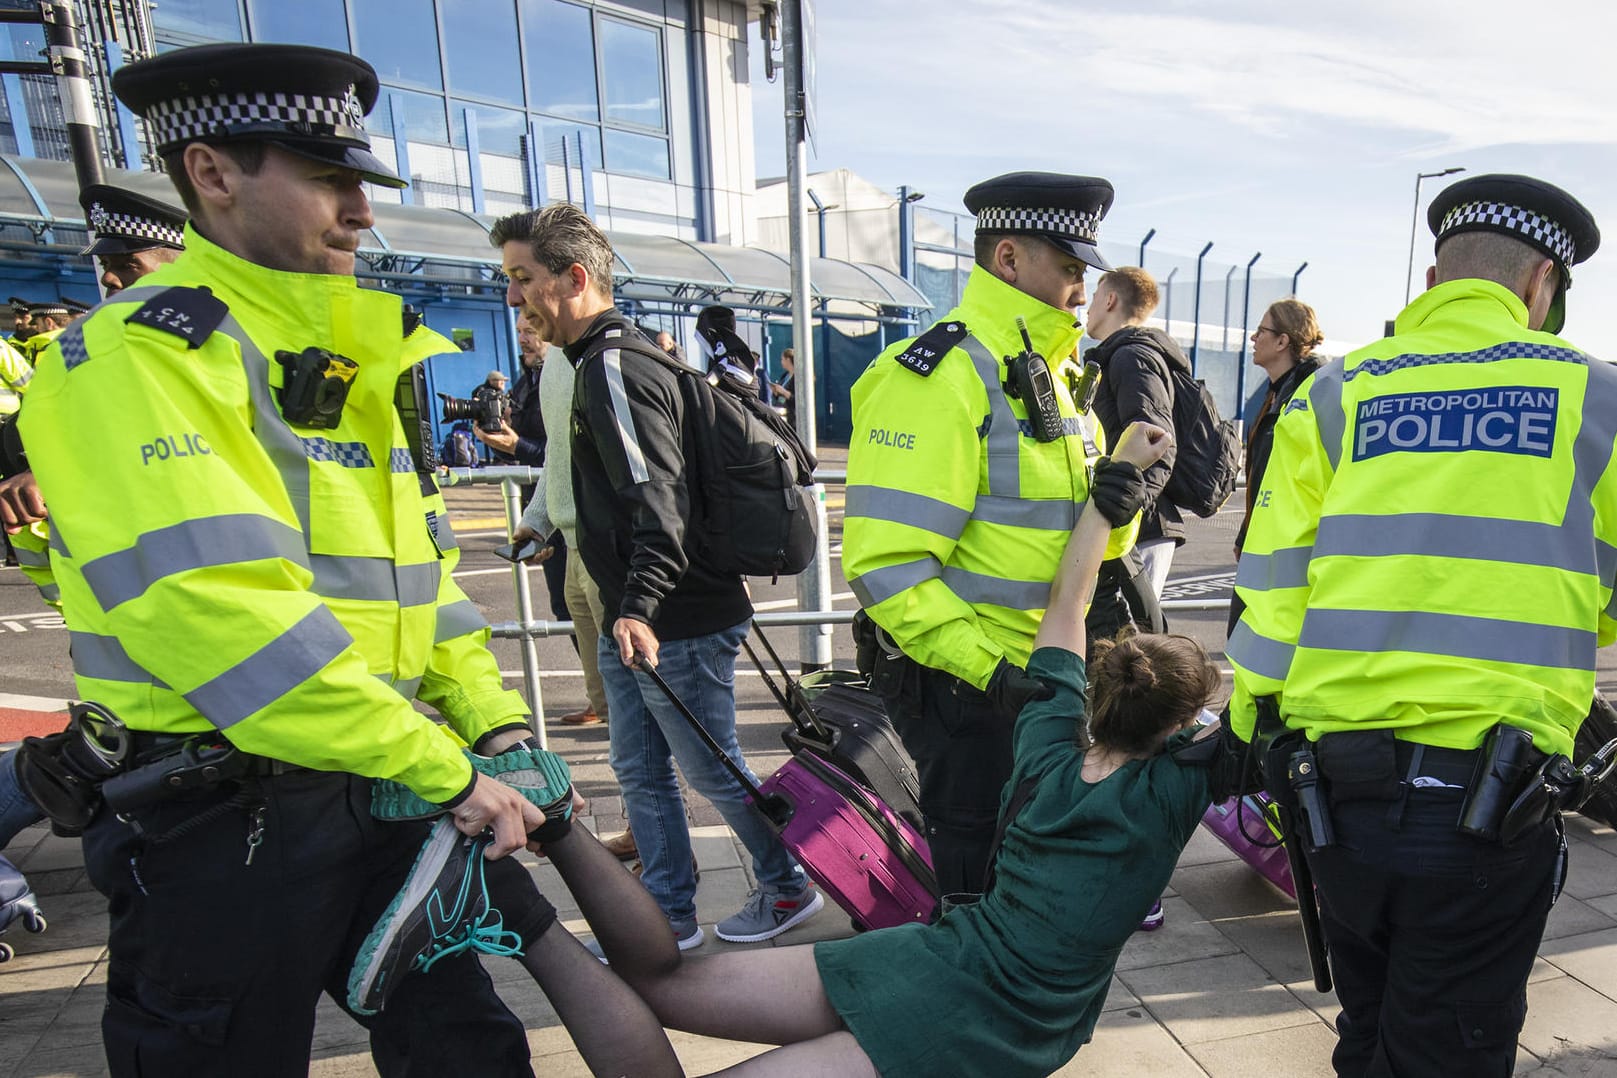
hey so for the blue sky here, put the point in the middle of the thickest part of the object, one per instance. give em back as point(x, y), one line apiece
point(1296, 129)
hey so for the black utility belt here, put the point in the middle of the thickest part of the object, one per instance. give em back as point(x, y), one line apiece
point(172, 765)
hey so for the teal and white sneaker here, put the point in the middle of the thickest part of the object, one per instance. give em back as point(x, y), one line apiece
point(441, 910)
point(769, 913)
point(540, 776)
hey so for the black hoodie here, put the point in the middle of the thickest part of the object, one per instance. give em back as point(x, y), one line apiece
point(1135, 387)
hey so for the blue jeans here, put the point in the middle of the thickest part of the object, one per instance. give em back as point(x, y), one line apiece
point(16, 810)
point(648, 734)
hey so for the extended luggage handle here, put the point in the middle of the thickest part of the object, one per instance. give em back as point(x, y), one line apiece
point(792, 700)
point(776, 809)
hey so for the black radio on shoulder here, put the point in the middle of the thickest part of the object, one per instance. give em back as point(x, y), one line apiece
point(316, 387)
point(1032, 384)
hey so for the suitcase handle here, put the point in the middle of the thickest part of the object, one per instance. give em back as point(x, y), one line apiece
point(774, 809)
point(792, 701)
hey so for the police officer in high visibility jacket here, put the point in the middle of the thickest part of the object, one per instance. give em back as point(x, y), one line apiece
point(1426, 579)
point(247, 548)
point(49, 318)
point(966, 472)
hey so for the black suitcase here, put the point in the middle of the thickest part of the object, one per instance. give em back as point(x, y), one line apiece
point(1599, 728)
point(836, 717)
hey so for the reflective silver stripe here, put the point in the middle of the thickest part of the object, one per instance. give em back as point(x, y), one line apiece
point(978, 588)
point(442, 532)
point(104, 658)
point(1287, 568)
point(1438, 535)
point(1049, 514)
point(377, 580)
point(272, 671)
point(59, 544)
point(879, 585)
point(51, 593)
point(1259, 654)
point(1597, 431)
point(1330, 417)
point(612, 363)
point(280, 442)
point(458, 619)
point(906, 507)
point(32, 559)
point(191, 544)
point(408, 687)
point(1003, 438)
point(1455, 635)
point(22, 379)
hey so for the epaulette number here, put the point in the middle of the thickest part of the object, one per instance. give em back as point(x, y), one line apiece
point(927, 351)
point(191, 314)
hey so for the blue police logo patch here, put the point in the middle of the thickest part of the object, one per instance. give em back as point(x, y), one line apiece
point(1500, 419)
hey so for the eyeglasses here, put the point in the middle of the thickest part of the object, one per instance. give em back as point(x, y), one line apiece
point(1265, 329)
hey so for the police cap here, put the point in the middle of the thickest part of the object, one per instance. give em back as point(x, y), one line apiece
point(1539, 214)
point(18, 305)
point(307, 100)
point(125, 222)
point(53, 307)
point(1066, 210)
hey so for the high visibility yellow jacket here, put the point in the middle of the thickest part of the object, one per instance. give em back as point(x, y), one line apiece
point(15, 373)
point(1434, 545)
point(35, 346)
point(31, 546)
point(222, 568)
point(956, 516)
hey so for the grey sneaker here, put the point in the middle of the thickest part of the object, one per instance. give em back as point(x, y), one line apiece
point(769, 913)
point(688, 934)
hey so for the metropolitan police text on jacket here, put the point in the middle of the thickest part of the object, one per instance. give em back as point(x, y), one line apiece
point(1499, 419)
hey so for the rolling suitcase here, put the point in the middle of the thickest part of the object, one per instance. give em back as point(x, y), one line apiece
point(867, 858)
point(837, 718)
point(1248, 827)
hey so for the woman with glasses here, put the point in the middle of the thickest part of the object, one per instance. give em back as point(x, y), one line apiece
point(1283, 345)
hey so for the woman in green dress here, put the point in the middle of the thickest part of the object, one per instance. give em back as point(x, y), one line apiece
point(1011, 985)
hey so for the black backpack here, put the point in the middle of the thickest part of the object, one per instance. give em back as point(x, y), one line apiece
point(1208, 456)
point(750, 512)
point(460, 448)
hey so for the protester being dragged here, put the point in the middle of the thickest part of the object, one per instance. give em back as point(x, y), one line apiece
point(1283, 347)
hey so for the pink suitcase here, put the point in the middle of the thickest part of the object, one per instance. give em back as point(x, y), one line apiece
point(870, 860)
point(1246, 826)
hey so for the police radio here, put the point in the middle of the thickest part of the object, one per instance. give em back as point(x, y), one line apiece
point(1031, 383)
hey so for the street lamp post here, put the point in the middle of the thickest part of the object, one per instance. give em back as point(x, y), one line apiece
point(1296, 276)
point(1167, 301)
point(1196, 316)
point(1414, 224)
point(1246, 312)
point(1143, 242)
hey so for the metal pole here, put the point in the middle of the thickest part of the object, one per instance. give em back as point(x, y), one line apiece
point(1196, 316)
point(1246, 310)
point(530, 649)
point(1414, 223)
point(1143, 242)
point(1167, 301)
point(1296, 275)
point(66, 56)
point(1224, 346)
point(825, 323)
point(814, 583)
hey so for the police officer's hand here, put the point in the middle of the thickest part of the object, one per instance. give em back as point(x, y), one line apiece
point(494, 804)
point(20, 502)
point(633, 636)
point(504, 441)
point(1012, 688)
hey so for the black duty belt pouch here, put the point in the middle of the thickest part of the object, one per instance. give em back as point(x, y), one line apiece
point(1360, 765)
point(1273, 742)
point(67, 797)
point(1507, 765)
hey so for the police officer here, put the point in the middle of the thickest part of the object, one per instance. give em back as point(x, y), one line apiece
point(255, 557)
point(133, 234)
point(48, 318)
point(21, 325)
point(1424, 591)
point(966, 472)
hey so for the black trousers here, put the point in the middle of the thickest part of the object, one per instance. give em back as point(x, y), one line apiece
point(555, 568)
point(1432, 934)
point(216, 966)
point(962, 752)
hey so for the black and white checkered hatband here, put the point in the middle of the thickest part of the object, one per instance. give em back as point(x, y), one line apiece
point(268, 114)
point(131, 226)
point(1535, 227)
point(1073, 224)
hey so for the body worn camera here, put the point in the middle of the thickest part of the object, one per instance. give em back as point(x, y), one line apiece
point(1084, 386)
point(316, 387)
point(1031, 383)
point(486, 408)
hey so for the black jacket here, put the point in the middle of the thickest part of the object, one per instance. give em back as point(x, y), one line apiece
point(630, 477)
point(1261, 442)
point(1135, 386)
point(527, 420)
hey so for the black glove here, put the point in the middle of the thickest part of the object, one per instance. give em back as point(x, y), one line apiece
point(1118, 490)
point(1012, 688)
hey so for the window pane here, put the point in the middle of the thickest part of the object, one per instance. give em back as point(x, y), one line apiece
point(218, 19)
point(632, 66)
point(307, 22)
point(563, 138)
point(636, 155)
point(498, 130)
point(480, 38)
point(400, 39)
point(423, 116)
point(561, 58)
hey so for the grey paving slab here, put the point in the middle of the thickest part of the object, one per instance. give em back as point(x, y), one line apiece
point(1573, 917)
point(1129, 1043)
point(1297, 1052)
point(1591, 958)
point(1591, 870)
point(1569, 1023)
point(1214, 998)
point(1185, 934)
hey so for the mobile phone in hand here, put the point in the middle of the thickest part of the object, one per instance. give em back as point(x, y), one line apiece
point(515, 552)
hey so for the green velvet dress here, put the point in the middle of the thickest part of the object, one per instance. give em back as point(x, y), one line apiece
point(1013, 985)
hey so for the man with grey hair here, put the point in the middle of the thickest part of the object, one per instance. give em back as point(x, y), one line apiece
point(663, 605)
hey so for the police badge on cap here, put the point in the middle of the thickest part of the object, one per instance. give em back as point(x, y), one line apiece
point(1539, 214)
point(306, 100)
point(125, 222)
point(1066, 210)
